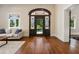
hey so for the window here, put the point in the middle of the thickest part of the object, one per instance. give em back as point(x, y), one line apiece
point(14, 21)
point(73, 22)
point(46, 22)
point(32, 22)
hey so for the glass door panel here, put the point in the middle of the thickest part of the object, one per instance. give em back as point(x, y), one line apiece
point(39, 26)
point(46, 22)
point(32, 22)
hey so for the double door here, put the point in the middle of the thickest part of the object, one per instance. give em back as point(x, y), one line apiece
point(39, 25)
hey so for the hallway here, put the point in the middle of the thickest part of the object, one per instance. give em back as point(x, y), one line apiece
point(47, 45)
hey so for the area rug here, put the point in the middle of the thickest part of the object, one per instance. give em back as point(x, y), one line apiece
point(11, 47)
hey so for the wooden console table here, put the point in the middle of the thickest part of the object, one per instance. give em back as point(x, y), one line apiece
point(3, 38)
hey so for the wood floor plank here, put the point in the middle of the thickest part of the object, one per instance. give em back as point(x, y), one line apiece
point(47, 45)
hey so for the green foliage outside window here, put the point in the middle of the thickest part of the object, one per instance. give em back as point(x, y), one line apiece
point(14, 21)
point(17, 22)
point(39, 24)
point(72, 23)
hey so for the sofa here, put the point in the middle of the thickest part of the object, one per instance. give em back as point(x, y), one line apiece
point(12, 33)
point(2, 32)
point(15, 34)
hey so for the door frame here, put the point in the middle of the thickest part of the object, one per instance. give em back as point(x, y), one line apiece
point(39, 9)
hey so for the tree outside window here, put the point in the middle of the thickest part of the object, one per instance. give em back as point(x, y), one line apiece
point(73, 22)
point(13, 21)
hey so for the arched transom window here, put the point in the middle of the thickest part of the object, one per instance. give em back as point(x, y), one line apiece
point(39, 11)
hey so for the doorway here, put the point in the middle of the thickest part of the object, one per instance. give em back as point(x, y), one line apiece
point(71, 23)
point(39, 22)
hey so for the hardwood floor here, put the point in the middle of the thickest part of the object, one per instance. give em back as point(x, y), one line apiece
point(47, 45)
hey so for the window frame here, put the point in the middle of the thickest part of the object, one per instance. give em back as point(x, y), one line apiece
point(18, 17)
point(74, 19)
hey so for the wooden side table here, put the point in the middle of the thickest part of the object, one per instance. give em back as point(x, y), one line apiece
point(3, 38)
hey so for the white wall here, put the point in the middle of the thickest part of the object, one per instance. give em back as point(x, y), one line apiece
point(75, 12)
point(62, 27)
point(23, 11)
point(59, 26)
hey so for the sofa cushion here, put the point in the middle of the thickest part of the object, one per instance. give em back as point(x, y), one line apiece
point(13, 30)
point(2, 35)
point(18, 30)
point(2, 31)
point(8, 31)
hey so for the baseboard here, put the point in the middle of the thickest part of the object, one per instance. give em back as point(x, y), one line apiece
point(15, 39)
point(59, 39)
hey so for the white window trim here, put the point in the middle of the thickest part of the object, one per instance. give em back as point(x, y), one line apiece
point(14, 26)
